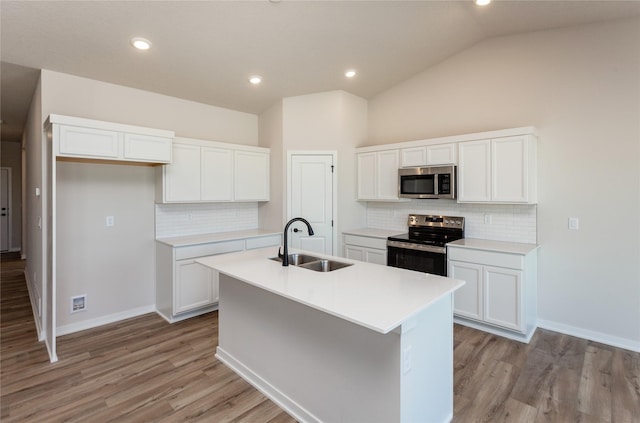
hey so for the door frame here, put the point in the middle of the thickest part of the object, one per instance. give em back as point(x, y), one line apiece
point(334, 156)
point(10, 207)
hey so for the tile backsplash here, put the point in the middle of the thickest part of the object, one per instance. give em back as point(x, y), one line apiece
point(513, 223)
point(192, 219)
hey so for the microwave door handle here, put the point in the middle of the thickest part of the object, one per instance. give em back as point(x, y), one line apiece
point(435, 184)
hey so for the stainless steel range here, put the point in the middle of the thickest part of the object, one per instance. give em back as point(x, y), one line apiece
point(423, 247)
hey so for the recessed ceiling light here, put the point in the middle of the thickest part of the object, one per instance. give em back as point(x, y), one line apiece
point(350, 73)
point(255, 79)
point(141, 43)
point(482, 2)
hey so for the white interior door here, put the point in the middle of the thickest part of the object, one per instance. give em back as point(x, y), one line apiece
point(5, 192)
point(311, 184)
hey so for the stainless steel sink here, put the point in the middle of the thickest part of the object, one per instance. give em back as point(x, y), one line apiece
point(298, 259)
point(325, 265)
point(316, 264)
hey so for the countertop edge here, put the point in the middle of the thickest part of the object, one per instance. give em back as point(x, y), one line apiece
point(209, 238)
point(495, 246)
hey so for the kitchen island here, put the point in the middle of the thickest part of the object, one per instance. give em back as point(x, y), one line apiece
point(364, 343)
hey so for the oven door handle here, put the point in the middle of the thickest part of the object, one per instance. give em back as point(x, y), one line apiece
point(419, 247)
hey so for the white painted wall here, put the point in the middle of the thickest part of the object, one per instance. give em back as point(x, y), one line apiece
point(34, 239)
point(580, 87)
point(333, 120)
point(114, 267)
point(272, 213)
point(87, 98)
point(11, 156)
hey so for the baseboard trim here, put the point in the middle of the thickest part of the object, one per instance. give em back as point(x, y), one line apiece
point(600, 337)
point(104, 320)
point(290, 406)
point(34, 308)
point(520, 337)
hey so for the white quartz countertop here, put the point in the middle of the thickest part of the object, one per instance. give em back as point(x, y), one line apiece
point(182, 241)
point(489, 245)
point(372, 232)
point(377, 297)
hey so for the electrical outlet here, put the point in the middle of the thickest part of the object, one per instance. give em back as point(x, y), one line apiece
point(406, 360)
point(487, 219)
point(574, 223)
point(110, 221)
point(78, 303)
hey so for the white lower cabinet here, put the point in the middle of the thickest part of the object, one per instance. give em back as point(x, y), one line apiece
point(500, 290)
point(185, 288)
point(195, 286)
point(362, 248)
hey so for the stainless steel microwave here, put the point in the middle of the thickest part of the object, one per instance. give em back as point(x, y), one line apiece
point(427, 182)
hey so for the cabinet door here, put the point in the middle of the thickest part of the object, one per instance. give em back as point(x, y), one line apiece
point(509, 169)
point(503, 297)
point(441, 154)
point(474, 171)
point(354, 253)
point(467, 301)
point(414, 156)
point(182, 176)
point(216, 183)
point(88, 142)
point(366, 176)
point(193, 287)
point(251, 176)
point(387, 164)
point(375, 256)
point(147, 148)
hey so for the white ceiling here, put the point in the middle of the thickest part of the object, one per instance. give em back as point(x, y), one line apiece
point(205, 50)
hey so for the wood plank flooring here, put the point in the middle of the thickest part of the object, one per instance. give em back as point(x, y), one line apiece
point(145, 370)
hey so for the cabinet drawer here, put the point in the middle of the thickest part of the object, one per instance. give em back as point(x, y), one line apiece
point(490, 258)
point(365, 241)
point(265, 241)
point(211, 249)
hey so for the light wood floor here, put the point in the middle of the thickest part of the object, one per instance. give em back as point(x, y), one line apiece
point(145, 370)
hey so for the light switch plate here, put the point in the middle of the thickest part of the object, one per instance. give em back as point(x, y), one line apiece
point(110, 221)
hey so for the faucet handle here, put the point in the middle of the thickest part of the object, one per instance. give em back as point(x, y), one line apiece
point(280, 255)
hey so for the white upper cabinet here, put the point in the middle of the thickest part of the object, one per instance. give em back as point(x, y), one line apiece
point(498, 170)
point(474, 171)
point(493, 167)
point(182, 177)
point(79, 138)
point(207, 171)
point(438, 154)
point(147, 148)
point(216, 174)
point(378, 175)
point(251, 176)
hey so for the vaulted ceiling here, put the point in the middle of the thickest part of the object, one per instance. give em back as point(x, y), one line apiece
point(205, 50)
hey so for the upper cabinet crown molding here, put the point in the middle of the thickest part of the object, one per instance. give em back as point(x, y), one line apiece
point(79, 138)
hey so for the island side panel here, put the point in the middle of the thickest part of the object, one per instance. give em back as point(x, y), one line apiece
point(427, 364)
point(316, 366)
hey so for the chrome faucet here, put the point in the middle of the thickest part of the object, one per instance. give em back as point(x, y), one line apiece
point(285, 256)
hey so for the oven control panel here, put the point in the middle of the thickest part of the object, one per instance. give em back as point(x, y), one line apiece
point(436, 221)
